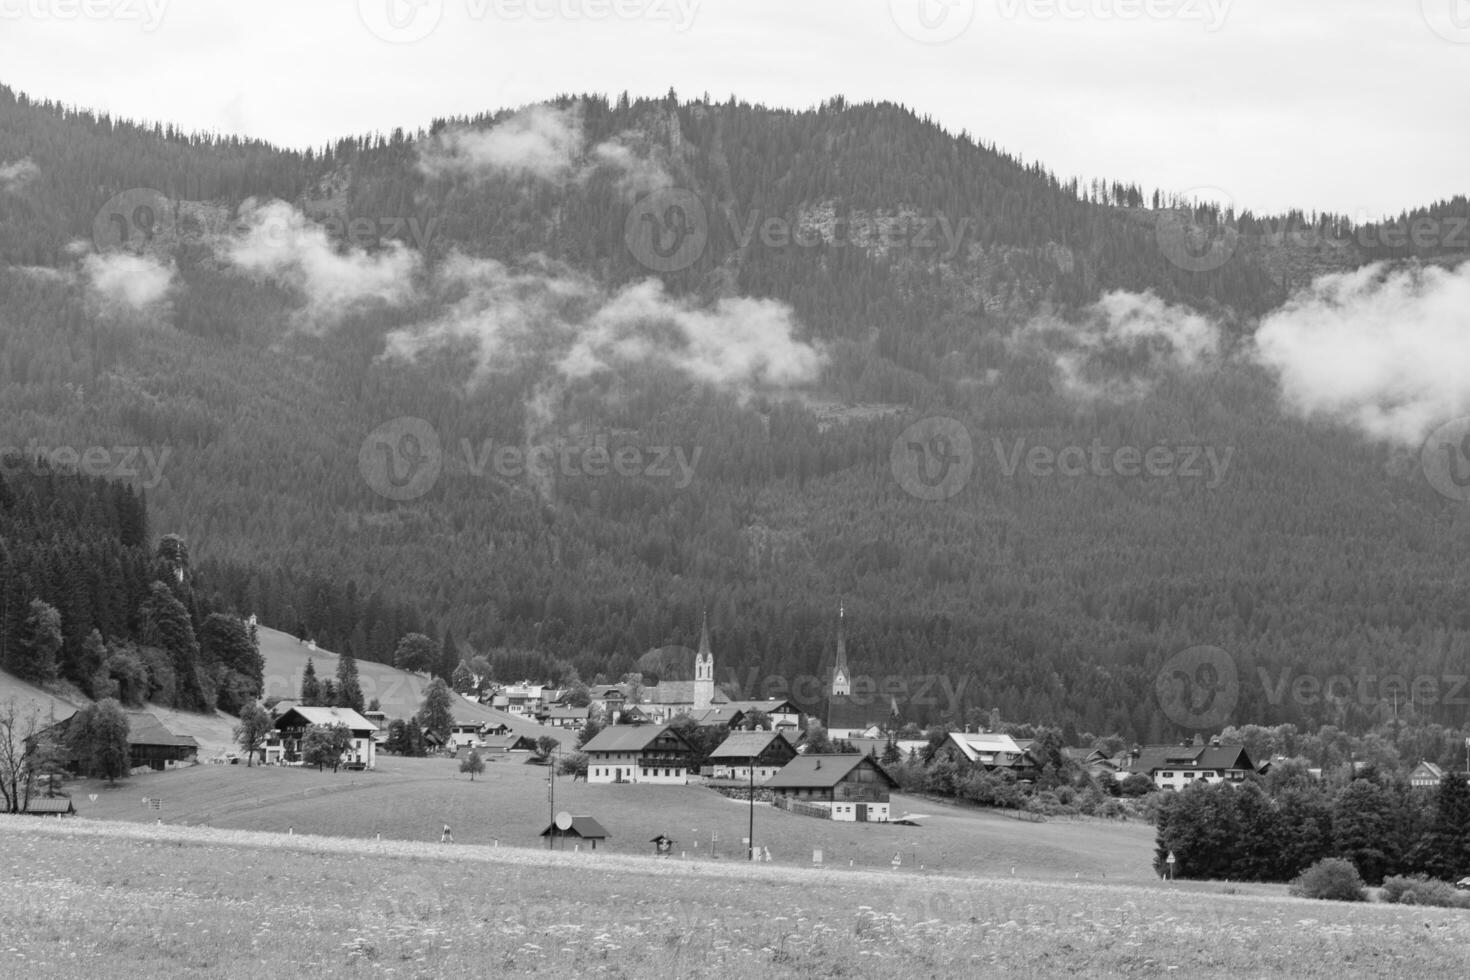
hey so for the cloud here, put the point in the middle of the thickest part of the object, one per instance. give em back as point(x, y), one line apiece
point(1381, 349)
point(15, 176)
point(122, 281)
point(569, 328)
point(546, 143)
point(277, 241)
point(541, 141)
point(1118, 345)
point(739, 344)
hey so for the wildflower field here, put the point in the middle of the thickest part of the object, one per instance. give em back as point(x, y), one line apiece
point(99, 899)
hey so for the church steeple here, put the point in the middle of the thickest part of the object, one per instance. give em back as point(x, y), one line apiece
point(841, 675)
point(704, 669)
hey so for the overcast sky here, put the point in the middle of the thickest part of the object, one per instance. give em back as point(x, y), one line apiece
point(1353, 106)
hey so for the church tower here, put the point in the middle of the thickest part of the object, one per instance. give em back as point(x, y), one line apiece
point(841, 676)
point(704, 670)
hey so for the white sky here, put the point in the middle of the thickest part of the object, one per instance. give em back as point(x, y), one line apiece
point(1353, 106)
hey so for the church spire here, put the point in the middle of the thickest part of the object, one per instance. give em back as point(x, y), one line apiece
point(704, 647)
point(841, 676)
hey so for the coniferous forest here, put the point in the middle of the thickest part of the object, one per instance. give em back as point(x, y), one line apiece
point(256, 384)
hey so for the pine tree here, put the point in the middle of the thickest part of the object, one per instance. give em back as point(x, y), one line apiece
point(349, 690)
point(436, 715)
point(166, 625)
point(311, 688)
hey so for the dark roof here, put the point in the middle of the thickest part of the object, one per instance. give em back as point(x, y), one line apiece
point(1155, 757)
point(746, 745)
point(581, 827)
point(629, 738)
point(678, 692)
point(145, 729)
point(822, 771)
point(44, 805)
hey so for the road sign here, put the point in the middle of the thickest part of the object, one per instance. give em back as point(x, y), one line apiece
point(564, 821)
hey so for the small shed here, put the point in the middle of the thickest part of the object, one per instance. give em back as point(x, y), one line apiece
point(582, 828)
point(46, 807)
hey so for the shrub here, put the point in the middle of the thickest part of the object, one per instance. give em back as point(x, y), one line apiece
point(1335, 879)
point(1423, 890)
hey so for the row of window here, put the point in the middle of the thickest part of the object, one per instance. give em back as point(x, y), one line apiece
point(646, 772)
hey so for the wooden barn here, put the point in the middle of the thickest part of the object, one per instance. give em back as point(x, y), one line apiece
point(843, 787)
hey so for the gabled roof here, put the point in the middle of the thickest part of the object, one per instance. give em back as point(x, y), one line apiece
point(823, 771)
point(581, 827)
point(601, 692)
point(508, 742)
point(1155, 757)
point(44, 805)
point(559, 711)
point(1427, 769)
point(986, 748)
point(630, 738)
point(747, 745)
point(145, 729)
point(678, 692)
point(329, 716)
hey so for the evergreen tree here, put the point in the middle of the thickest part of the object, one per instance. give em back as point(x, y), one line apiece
point(166, 625)
point(311, 688)
point(436, 715)
point(349, 690)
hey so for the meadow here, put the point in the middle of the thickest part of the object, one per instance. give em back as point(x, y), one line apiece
point(102, 899)
point(412, 799)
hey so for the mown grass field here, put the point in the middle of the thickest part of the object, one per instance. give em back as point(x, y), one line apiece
point(412, 799)
point(96, 899)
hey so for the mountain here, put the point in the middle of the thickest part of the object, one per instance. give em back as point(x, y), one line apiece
point(404, 366)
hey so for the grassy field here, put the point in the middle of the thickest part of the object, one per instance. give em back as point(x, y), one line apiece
point(399, 692)
point(411, 799)
point(95, 899)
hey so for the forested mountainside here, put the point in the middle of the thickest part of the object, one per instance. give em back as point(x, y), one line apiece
point(271, 317)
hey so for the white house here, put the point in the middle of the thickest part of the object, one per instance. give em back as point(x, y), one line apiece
point(638, 754)
point(284, 743)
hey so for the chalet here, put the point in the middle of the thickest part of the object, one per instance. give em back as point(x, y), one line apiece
point(523, 699)
point(609, 697)
point(464, 733)
point(638, 754)
point(283, 746)
point(990, 751)
point(150, 744)
point(766, 753)
point(736, 714)
point(1178, 766)
point(1426, 775)
point(841, 787)
point(504, 744)
point(582, 828)
point(563, 716)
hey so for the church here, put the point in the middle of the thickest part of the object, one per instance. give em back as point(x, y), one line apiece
point(848, 715)
point(703, 701)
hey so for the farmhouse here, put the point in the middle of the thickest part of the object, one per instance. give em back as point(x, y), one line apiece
point(283, 746)
point(765, 752)
point(990, 751)
point(839, 787)
point(1426, 775)
point(149, 743)
point(562, 716)
point(638, 754)
point(1178, 766)
point(735, 714)
point(504, 744)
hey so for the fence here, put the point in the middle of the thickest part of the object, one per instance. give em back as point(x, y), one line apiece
point(804, 809)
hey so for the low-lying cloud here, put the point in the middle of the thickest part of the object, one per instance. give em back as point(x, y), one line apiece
point(1381, 349)
point(15, 176)
point(120, 281)
point(277, 241)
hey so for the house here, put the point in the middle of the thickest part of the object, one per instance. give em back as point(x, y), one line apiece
point(638, 754)
point(150, 744)
point(766, 753)
point(463, 733)
point(990, 751)
point(841, 787)
point(523, 699)
point(1094, 762)
point(735, 714)
point(582, 828)
point(283, 746)
point(563, 716)
point(47, 807)
point(1178, 766)
point(504, 744)
point(608, 697)
point(1426, 775)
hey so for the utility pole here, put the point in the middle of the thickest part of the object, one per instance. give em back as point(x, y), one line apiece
point(551, 800)
point(751, 840)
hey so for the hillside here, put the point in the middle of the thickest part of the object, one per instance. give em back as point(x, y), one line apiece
point(335, 406)
point(398, 692)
